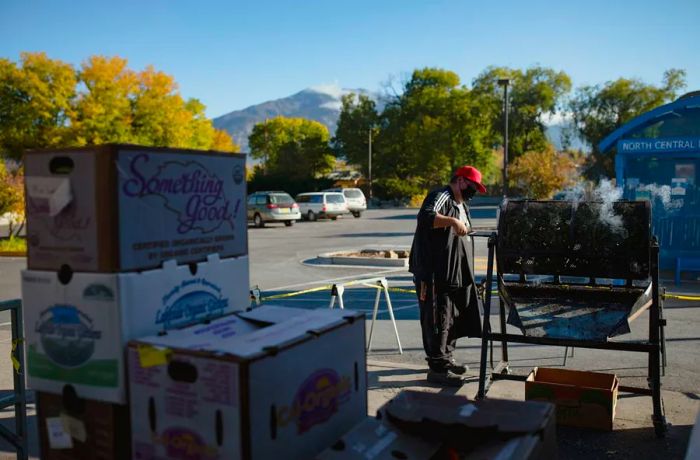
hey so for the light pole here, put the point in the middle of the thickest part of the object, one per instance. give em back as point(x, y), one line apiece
point(504, 82)
point(370, 163)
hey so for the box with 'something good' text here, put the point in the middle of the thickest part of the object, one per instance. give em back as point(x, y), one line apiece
point(116, 208)
point(77, 325)
point(272, 382)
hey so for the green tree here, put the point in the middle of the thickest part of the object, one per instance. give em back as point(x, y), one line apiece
point(534, 93)
point(598, 110)
point(357, 116)
point(429, 130)
point(36, 100)
point(294, 147)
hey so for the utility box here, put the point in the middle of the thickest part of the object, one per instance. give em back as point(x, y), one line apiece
point(117, 208)
point(273, 382)
point(583, 399)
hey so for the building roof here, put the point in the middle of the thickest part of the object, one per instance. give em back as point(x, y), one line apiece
point(683, 107)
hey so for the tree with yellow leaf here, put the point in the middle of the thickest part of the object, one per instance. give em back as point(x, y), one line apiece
point(48, 103)
point(36, 103)
point(539, 174)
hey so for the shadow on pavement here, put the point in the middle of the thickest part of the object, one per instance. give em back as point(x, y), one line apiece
point(634, 443)
point(371, 235)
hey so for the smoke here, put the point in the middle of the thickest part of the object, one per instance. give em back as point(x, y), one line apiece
point(608, 194)
point(661, 194)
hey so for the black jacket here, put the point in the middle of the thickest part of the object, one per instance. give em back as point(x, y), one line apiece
point(439, 253)
point(440, 256)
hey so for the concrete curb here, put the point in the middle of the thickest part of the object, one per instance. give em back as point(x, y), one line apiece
point(336, 258)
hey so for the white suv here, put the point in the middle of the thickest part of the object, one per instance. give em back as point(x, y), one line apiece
point(314, 205)
point(357, 203)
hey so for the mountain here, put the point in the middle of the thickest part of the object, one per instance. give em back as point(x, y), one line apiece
point(322, 103)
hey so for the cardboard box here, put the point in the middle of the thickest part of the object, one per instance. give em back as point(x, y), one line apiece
point(120, 208)
point(583, 399)
point(71, 428)
point(273, 382)
point(376, 440)
point(76, 333)
point(489, 428)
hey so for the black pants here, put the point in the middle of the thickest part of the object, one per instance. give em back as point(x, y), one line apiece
point(437, 320)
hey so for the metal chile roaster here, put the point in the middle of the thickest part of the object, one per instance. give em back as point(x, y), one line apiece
point(575, 274)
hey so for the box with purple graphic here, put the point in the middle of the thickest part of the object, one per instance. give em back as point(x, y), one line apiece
point(272, 382)
point(77, 327)
point(117, 208)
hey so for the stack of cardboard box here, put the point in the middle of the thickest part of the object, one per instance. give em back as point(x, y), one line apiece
point(123, 242)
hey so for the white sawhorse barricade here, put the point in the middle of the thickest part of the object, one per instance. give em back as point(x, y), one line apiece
point(380, 284)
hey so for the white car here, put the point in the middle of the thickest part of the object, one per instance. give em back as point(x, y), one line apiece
point(315, 205)
point(357, 203)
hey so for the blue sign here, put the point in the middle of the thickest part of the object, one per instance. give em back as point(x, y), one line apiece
point(661, 145)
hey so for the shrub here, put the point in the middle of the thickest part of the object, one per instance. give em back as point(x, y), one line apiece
point(538, 175)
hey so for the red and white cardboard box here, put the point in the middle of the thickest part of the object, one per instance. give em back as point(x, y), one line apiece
point(273, 382)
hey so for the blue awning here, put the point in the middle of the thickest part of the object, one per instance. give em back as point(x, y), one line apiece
point(649, 118)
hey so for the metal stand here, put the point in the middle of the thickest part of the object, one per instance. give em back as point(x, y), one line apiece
point(380, 284)
point(654, 346)
point(18, 399)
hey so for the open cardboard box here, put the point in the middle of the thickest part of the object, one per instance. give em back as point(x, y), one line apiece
point(77, 325)
point(119, 208)
point(273, 382)
point(379, 440)
point(583, 399)
point(485, 429)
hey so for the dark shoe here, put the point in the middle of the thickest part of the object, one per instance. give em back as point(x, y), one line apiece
point(455, 367)
point(447, 378)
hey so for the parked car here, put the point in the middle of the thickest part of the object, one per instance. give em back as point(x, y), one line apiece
point(272, 207)
point(357, 203)
point(315, 205)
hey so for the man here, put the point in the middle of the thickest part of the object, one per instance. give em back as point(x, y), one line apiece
point(441, 261)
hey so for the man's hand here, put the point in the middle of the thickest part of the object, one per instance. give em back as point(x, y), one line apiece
point(460, 227)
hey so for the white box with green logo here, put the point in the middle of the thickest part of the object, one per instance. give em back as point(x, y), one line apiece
point(77, 327)
point(273, 382)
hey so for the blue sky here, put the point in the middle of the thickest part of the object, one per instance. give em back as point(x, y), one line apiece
point(232, 54)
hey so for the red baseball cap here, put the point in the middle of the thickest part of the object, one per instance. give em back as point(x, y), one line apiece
point(473, 174)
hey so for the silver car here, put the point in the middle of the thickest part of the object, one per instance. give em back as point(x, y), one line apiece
point(357, 203)
point(317, 205)
point(272, 207)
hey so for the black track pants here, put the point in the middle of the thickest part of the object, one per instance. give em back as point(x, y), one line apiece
point(437, 320)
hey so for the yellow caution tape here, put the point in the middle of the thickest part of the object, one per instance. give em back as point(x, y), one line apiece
point(13, 358)
point(413, 291)
point(406, 291)
point(682, 297)
point(292, 294)
point(150, 356)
